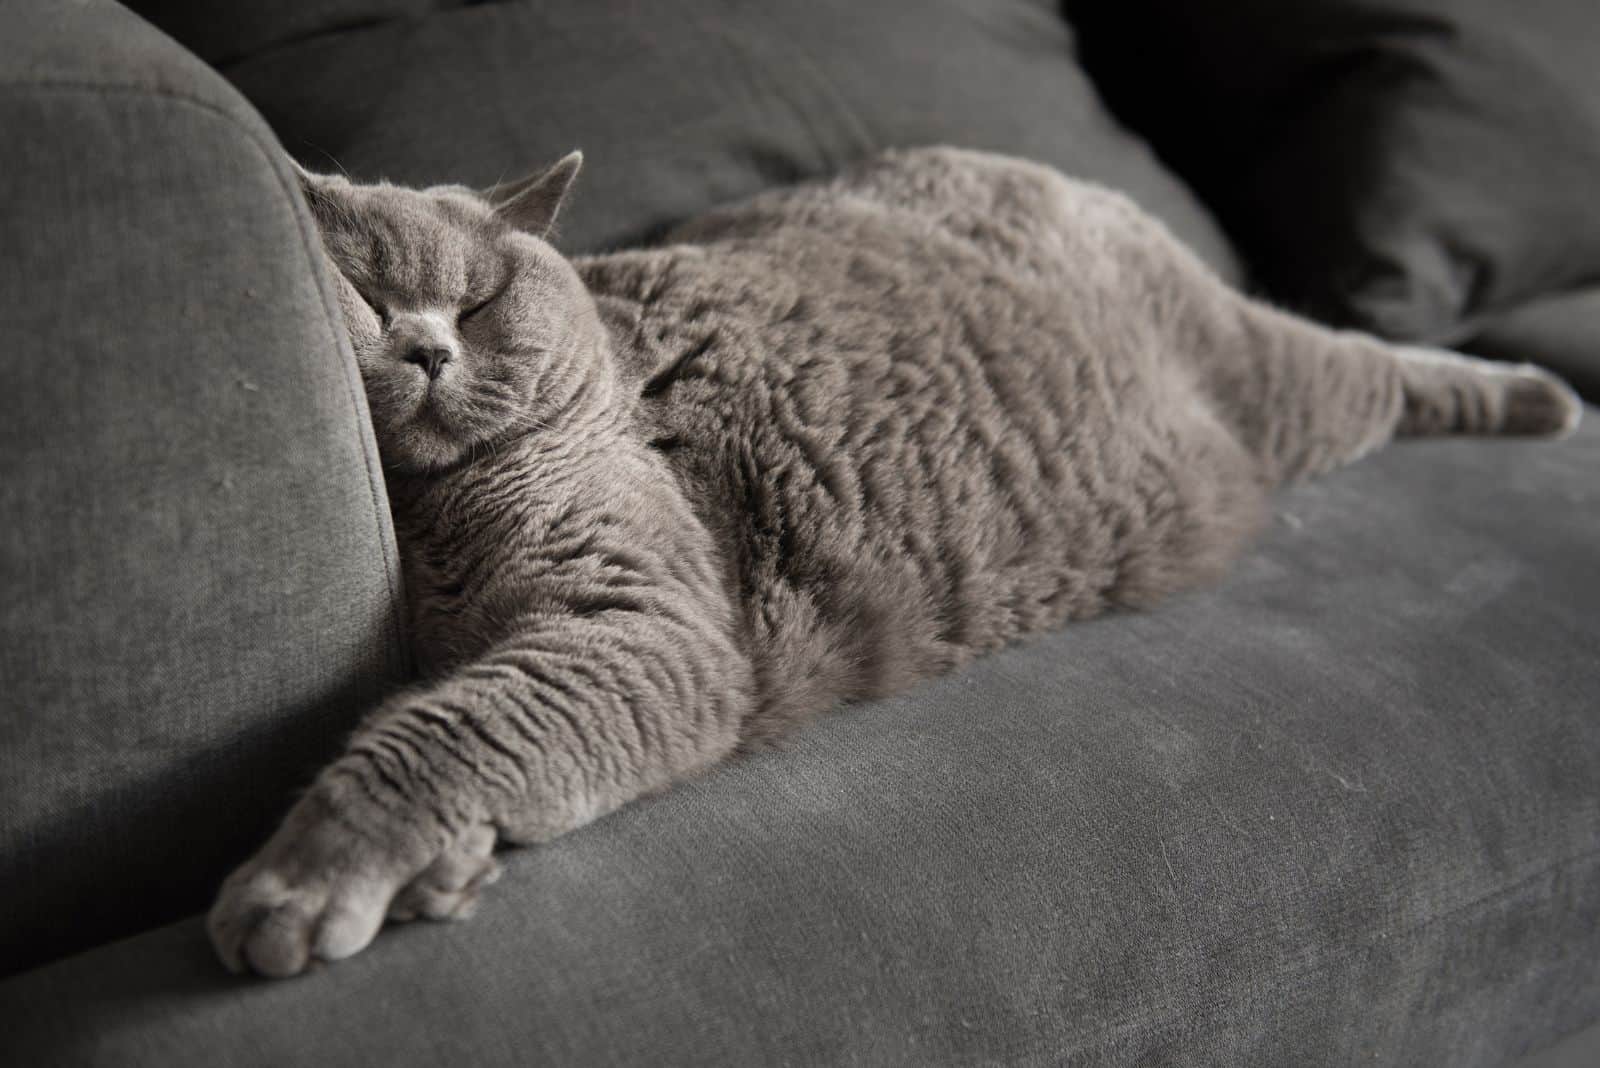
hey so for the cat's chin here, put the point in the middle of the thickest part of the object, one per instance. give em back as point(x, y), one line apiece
point(430, 432)
point(420, 449)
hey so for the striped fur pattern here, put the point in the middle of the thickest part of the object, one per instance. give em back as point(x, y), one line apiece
point(660, 505)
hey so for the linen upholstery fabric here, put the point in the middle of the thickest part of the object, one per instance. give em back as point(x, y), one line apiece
point(1581, 1050)
point(1343, 809)
point(682, 106)
point(200, 590)
point(1409, 167)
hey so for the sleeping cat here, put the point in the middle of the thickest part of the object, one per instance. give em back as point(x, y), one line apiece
point(657, 506)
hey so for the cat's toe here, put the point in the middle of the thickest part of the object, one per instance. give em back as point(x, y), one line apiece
point(280, 943)
point(259, 924)
point(318, 890)
point(229, 924)
point(448, 889)
point(351, 920)
point(263, 924)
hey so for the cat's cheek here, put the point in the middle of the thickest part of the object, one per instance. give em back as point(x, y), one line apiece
point(360, 320)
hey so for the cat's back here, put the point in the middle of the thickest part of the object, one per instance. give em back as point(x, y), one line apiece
point(923, 399)
point(951, 245)
point(1017, 213)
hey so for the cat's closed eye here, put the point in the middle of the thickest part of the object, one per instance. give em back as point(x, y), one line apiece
point(468, 310)
point(473, 309)
point(379, 308)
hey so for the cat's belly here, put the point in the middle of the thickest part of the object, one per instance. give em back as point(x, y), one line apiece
point(907, 481)
point(921, 431)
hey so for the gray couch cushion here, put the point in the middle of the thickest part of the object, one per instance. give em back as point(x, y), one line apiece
point(1344, 809)
point(680, 106)
point(1560, 332)
point(200, 591)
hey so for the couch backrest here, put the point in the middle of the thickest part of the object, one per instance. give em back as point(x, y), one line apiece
point(677, 106)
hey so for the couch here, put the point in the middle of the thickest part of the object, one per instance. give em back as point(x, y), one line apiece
point(1344, 807)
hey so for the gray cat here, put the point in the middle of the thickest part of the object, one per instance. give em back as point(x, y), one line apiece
point(655, 507)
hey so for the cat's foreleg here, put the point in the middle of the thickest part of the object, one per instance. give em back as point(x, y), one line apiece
point(565, 722)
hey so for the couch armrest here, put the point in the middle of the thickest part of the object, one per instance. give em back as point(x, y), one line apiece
point(201, 589)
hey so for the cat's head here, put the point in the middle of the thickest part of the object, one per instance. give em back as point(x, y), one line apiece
point(467, 325)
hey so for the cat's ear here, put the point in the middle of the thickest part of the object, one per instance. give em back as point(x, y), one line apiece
point(315, 187)
point(308, 182)
point(533, 203)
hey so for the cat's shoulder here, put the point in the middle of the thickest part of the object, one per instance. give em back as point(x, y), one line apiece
point(892, 199)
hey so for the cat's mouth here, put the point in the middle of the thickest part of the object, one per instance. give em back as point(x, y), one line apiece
point(434, 407)
point(447, 422)
point(428, 440)
point(422, 393)
point(430, 422)
point(419, 427)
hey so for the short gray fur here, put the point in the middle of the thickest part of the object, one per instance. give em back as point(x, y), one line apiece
point(656, 507)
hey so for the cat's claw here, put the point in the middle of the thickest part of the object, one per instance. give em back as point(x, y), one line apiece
point(322, 886)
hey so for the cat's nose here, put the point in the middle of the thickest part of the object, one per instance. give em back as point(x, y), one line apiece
point(431, 358)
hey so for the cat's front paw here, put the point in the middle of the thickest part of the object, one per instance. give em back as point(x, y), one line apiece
point(323, 884)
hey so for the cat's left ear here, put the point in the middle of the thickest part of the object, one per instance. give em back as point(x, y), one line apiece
point(317, 188)
point(533, 203)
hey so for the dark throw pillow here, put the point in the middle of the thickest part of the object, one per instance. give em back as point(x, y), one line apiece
point(1410, 167)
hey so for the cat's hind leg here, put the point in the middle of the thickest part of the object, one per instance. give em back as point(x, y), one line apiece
point(1302, 398)
point(1306, 399)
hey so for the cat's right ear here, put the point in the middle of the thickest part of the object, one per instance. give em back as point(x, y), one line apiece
point(532, 203)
